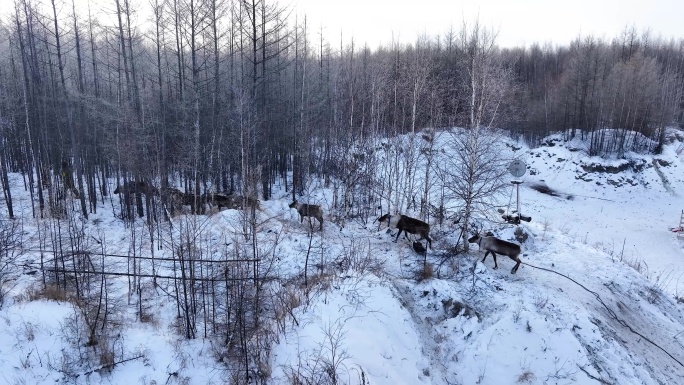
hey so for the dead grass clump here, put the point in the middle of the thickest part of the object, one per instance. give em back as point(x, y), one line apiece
point(49, 293)
point(426, 272)
point(637, 264)
point(540, 302)
point(289, 298)
point(321, 281)
point(107, 356)
point(148, 318)
point(526, 377)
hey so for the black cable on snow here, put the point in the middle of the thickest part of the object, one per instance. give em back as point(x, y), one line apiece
point(610, 311)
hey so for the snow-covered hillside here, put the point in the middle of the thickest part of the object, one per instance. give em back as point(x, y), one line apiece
point(587, 316)
point(624, 207)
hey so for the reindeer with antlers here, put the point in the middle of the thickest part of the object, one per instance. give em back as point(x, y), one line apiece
point(495, 245)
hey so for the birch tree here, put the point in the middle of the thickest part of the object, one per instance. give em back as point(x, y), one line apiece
point(472, 173)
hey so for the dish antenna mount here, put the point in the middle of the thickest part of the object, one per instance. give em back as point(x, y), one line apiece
point(517, 168)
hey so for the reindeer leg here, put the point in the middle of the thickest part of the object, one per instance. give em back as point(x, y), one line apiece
point(517, 265)
point(495, 265)
point(397, 238)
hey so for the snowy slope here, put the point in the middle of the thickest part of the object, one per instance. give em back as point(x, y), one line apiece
point(627, 214)
point(369, 321)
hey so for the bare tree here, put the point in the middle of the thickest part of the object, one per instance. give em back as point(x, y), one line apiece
point(487, 79)
point(472, 173)
point(10, 246)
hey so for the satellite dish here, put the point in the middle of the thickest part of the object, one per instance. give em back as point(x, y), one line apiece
point(517, 168)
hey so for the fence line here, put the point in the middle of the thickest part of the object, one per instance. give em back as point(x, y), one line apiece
point(64, 271)
point(89, 253)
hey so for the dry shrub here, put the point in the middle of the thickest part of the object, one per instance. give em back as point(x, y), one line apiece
point(653, 294)
point(148, 318)
point(28, 331)
point(49, 293)
point(526, 377)
point(107, 356)
point(636, 264)
point(426, 272)
point(290, 299)
point(86, 350)
point(360, 258)
point(540, 302)
point(320, 281)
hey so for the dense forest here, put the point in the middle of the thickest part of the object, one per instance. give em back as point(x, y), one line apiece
point(223, 95)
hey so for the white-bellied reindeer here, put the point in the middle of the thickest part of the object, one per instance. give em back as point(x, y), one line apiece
point(495, 245)
point(408, 225)
point(306, 210)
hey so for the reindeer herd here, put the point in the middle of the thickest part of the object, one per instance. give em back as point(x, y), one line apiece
point(176, 198)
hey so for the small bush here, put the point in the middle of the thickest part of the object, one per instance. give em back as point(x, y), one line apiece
point(517, 312)
point(148, 318)
point(29, 331)
point(426, 272)
point(540, 302)
point(526, 377)
point(653, 294)
point(48, 292)
point(636, 264)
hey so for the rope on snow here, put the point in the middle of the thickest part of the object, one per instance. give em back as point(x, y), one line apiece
point(610, 311)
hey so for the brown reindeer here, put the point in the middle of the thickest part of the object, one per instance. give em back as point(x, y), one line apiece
point(408, 225)
point(495, 245)
point(306, 210)
point(176, 199)
point(232, 201)
point(136, 187)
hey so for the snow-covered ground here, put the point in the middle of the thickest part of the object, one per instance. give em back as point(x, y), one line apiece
point(627, 214)
point(372, 322)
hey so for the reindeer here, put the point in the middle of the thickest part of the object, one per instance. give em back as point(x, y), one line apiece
point(232, 201)
point(139, 187)
point(175, 198)
point(495, 245)
point(407, 225)
point(221, 200)
point(306, 210)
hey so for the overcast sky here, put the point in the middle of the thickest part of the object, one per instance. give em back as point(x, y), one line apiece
point(519, 22)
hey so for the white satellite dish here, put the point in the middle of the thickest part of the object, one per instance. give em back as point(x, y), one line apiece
point(517, 168)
